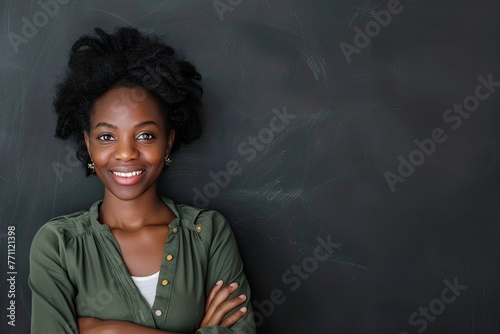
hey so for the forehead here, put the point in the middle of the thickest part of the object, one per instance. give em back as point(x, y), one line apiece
point(125, 105)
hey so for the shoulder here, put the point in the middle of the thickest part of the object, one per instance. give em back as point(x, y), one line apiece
point(208, 224)
point(213, 230)
point(61, 229)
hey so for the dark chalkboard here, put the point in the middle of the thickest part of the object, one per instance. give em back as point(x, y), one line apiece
point(362, 137)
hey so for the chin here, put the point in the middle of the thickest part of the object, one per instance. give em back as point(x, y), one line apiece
point(128, 193)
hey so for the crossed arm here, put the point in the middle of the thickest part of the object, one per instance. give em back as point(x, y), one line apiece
point(53, 293)
point(216, 308)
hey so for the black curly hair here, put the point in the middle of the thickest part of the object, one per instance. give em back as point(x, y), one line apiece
point(127, 58)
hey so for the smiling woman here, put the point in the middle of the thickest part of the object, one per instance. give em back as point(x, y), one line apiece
point(135, 262)
point(128, 143)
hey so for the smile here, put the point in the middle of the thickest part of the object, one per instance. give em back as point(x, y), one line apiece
point(129, 174)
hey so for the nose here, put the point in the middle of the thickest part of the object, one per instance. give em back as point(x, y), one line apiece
point(126, 150)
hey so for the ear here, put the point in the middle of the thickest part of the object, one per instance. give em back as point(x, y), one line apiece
point(170, 142)
point(87, 142)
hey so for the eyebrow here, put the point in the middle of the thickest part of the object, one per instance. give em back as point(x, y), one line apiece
point(138, 125)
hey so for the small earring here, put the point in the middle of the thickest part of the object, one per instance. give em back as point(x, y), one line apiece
point(168, 161)
point(91, 166)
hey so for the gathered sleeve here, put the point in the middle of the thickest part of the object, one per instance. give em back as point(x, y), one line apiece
point(53, 294)
point(225, 264)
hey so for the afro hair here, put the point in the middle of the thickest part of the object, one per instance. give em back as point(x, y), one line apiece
point(127, 58)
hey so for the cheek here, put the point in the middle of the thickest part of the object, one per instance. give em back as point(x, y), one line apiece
point(101, 156)
point(155, 157)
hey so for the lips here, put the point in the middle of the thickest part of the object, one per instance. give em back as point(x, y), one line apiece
point(128, 176)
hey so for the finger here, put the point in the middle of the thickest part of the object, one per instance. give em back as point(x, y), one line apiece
point(223, 309)
point(217, 286)
point(234, 318)
point(85, 323)
point(83, 320)
point(220, 297)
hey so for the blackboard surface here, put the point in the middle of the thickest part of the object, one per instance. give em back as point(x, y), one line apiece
point(367, 136)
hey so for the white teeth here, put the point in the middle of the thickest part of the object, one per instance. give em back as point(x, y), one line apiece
point(130, 174)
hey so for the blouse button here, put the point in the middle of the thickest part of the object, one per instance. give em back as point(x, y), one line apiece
point(169, 257)
point(164, 282)
point(198, 229)
point(158, 313)
point(174, 230)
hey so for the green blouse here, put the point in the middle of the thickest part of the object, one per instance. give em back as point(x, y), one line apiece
point(76, 270)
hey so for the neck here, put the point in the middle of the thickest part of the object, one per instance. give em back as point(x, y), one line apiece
point(132, 215)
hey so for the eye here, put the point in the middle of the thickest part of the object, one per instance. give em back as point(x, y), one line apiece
point(106, 137)
point(146, 136)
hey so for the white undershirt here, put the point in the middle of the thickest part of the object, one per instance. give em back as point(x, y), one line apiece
point(147, 286)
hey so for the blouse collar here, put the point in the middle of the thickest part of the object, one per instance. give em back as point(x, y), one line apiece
point(180, 215)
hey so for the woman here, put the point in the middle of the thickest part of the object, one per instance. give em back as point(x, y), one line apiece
point(135, 262)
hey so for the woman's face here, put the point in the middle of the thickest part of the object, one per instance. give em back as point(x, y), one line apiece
point(128, 142)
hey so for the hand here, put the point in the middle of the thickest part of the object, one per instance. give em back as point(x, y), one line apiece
point(87, 325)
point(217, 306)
